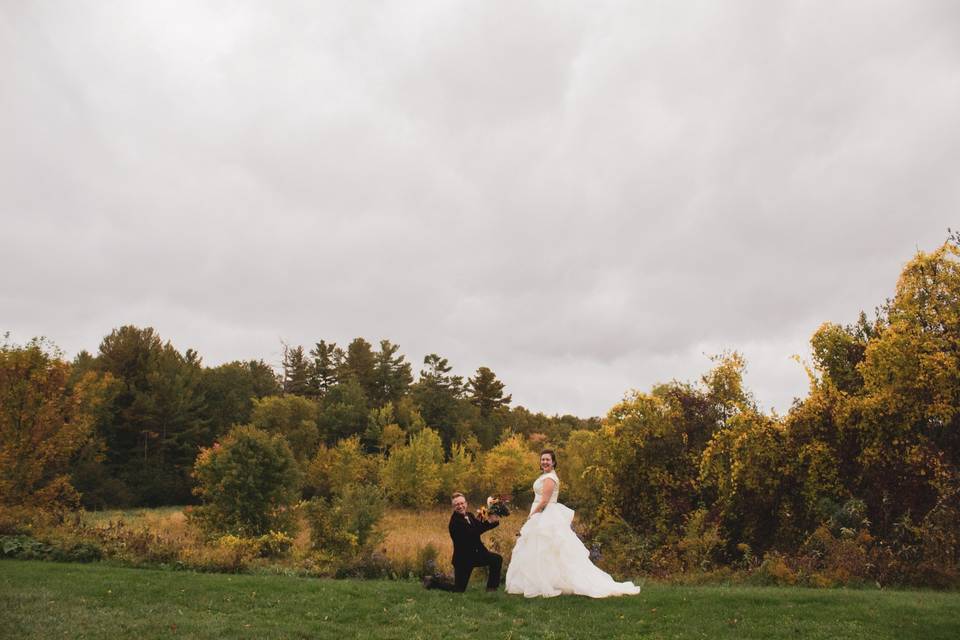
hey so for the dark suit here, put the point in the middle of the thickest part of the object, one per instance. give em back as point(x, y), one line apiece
point(469, 552)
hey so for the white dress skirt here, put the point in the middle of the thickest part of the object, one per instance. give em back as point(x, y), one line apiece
point(549, 559)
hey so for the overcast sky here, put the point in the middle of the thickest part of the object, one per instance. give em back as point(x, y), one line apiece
point(585, 197)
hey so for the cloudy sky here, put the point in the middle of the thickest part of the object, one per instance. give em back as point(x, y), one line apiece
point(587, 197)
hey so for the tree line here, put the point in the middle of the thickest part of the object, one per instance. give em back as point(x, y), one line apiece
point(860, 478)
point(149, 409)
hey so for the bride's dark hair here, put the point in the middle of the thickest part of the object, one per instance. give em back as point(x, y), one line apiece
point(553, 456)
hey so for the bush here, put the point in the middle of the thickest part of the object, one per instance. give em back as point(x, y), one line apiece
point(17, 520)
point(617, 549)
point(220, 558)
point(371, 564)
point(836, 559)
point(294, 418)
point(332, 468)
point(850, 516)
point(348, 523)
point(25, 548)
point(134, 546)
point(426, 563)
point(275, 544)
point(774, 570)
point(412, 474)
point(510, 468)
point(248, 484)
point(362, 507)
point(327, 531)
point(28, 548)
point(459, 473)
point(701, 542)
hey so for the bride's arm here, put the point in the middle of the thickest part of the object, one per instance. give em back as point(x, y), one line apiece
point(548, 486)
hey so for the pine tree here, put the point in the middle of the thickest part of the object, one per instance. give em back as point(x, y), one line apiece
point(486, 392)
point(438, 395)
point(392, 376)
point(360, 363)
point(323, 372)
point(296, 371)
point(157, 420)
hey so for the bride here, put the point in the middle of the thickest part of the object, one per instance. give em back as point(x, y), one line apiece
point(549, 558)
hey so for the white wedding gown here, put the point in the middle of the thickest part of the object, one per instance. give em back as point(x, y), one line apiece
point(549, 558)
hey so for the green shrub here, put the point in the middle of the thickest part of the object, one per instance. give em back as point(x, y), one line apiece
point(78, 552)
point(369, 565)
point(327, 531)
point(293, 417)
point(25, 548)
point(28, 548)
point(426, 563)
point(509, 468)
point(617, 549)
point(248, 483)
point(333, 468)
point(850, 516)
point(701, 542)
point(348, 523)
point(362, 507)
point(413, 474)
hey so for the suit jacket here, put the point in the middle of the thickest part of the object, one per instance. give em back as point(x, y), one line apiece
point(467, 547)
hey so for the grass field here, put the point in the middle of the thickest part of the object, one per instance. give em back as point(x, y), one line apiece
point(50, 600)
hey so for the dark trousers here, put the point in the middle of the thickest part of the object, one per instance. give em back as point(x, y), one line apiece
point(461, 573)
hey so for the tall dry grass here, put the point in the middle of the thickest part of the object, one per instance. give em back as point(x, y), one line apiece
point(169, 522)
point(405, 532)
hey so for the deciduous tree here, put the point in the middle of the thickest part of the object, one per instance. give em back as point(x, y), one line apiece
point(44, 424)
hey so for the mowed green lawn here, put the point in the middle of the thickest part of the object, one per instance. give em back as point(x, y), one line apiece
point(50, 600)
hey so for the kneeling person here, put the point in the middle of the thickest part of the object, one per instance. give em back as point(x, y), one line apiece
point(468, 550)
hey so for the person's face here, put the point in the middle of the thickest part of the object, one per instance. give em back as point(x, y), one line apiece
point(460, 505)
point(546, 463)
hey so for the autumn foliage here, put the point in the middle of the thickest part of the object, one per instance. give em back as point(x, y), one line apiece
point(858, 481)
point(46, 420)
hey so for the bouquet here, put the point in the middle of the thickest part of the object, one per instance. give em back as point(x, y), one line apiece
point(496, 506)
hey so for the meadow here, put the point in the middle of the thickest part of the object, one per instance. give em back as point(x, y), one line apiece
point(62, 600)
point(405, 534)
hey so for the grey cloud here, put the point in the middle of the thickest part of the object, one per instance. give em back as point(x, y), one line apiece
point(586, 198)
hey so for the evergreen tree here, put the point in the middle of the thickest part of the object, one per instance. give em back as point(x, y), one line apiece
point(264, 378)
point(360, 363)
point(231, 388)
point(180, 406)
point(438, 394)
point(296, 371)
point(486, 392)
point(157, 420)
point(323, 372)
point(129, 354)
point(392, 375)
